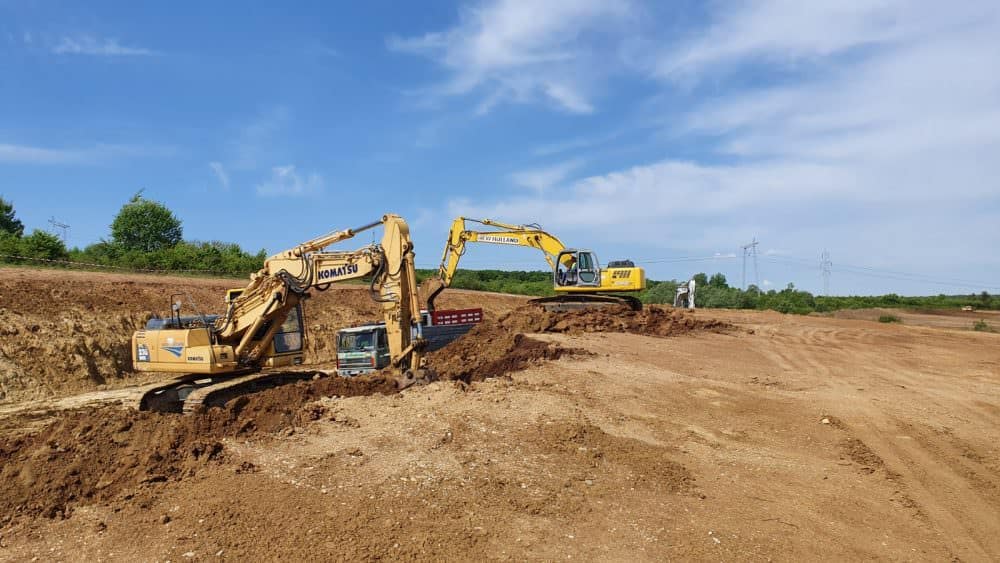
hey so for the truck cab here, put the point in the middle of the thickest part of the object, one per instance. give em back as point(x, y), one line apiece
point(364, 348)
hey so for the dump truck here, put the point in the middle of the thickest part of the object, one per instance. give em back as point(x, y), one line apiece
point(363, 348)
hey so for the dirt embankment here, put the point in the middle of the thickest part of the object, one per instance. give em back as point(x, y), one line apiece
point(497, 347)
point(105, 453)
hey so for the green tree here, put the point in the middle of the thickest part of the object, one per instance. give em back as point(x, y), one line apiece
point(8, 222)
point(10, 246)
point(146, 226)
point(700, 280)
point(718, 280)
point(40, 244)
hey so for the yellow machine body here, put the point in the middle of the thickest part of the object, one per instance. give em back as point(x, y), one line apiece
point(189, 349)
point(612, 280)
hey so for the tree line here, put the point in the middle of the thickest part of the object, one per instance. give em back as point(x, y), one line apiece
point(144, 235)
point(715, 292)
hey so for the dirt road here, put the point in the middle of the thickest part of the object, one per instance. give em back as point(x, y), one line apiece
point(778, 438)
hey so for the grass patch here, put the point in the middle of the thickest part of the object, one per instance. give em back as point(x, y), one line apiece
point(889, 319)
point(982, 326)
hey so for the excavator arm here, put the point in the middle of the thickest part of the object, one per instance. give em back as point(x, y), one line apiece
point(515, 235)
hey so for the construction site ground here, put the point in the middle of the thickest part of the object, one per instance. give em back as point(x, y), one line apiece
point(660, 435)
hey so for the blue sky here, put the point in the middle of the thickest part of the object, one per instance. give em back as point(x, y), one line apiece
point(668, 132)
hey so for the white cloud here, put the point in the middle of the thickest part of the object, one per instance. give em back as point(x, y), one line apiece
point(541, 179)
point(97, 154)
point(522, 51)
point(881, 144)
point(286, 181)
point(95, 46)
point(220, 173)
point(789, 33)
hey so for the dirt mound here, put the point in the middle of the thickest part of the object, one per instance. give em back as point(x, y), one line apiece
point(475, 359)
point(99, 454)
point(490, 350)
point(497, 347)
point(652, 320)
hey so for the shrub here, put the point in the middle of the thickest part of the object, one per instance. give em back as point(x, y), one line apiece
point(889, 319)
point(982, 326)
point(40, 244)
point(10, 245)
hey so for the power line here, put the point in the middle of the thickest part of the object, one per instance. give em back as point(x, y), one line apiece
point(686, 259)
point(882, 274)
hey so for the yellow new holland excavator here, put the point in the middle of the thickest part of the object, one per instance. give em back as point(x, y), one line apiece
point(577, 276)
point(221, 355)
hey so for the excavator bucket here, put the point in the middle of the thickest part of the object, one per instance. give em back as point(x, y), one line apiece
point(411, 377)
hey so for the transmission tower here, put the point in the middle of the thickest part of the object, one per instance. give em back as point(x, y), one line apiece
point(827, 266)
point(64, 228)
point(750, 250)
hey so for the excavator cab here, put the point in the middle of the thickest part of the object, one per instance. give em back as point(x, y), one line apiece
point(578, 268)
point(288, 342)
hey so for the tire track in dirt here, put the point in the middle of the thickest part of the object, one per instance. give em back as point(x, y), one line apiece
point(943, 486)
point(945, 483)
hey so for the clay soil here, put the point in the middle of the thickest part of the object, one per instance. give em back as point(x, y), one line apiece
point(712, 435)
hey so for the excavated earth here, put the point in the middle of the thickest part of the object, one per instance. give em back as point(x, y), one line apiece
point(618, 435)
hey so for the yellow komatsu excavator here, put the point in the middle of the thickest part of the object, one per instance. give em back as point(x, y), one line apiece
point(577, 276)
point(262, 326)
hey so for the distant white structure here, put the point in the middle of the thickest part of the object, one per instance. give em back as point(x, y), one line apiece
point(685, 295)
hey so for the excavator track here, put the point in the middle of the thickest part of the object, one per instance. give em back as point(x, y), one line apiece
point(583, 301)
point(190, 393)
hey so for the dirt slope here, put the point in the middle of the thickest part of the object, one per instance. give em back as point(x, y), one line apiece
point(731, 435)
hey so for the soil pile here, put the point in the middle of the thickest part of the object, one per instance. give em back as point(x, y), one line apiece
point(99, 454)
point(651, 321)
point(497, 347)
